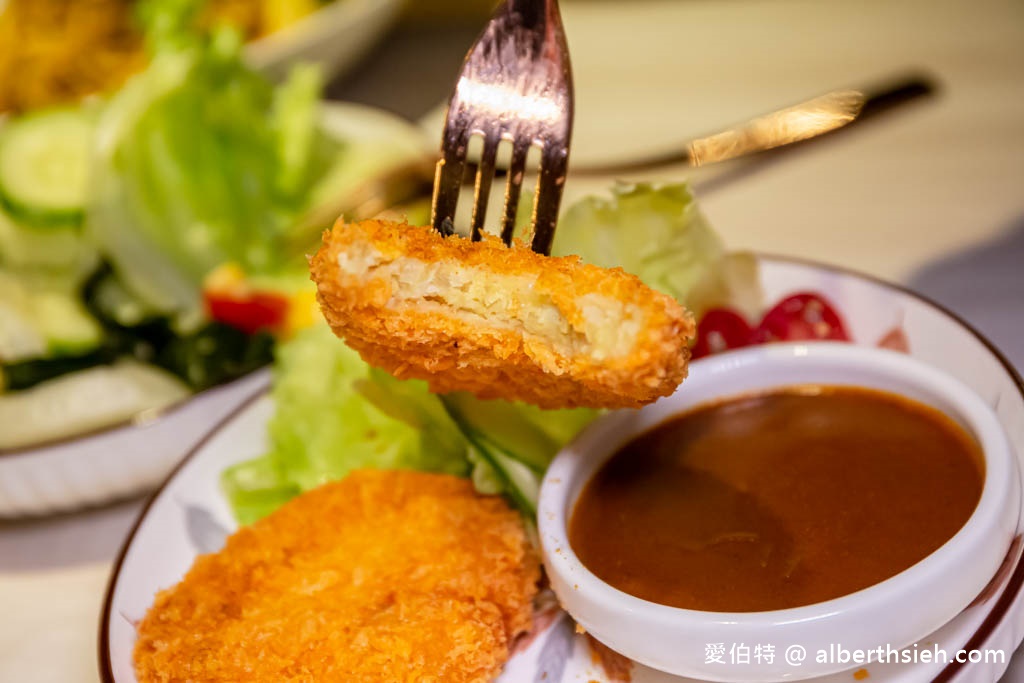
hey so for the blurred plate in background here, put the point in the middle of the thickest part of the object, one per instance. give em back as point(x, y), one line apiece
point(335, 37)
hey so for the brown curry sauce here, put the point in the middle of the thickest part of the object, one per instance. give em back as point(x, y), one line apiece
point(777, 500)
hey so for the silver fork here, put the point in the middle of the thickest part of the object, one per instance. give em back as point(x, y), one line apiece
point(516, 85)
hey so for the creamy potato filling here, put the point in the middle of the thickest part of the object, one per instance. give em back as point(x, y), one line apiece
point(607, 328)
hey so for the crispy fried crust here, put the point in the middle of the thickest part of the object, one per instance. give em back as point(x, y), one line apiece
point(458, 352)
point(383, 576)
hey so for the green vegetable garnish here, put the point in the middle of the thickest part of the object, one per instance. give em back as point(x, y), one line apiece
point(201, 161)
point(658, 233)
point(334, 414)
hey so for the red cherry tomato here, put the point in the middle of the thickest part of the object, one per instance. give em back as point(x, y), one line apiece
point(250, 312)
point(801, 317)
point(721, 329)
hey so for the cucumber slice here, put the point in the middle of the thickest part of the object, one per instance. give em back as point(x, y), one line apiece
point(63, 248)
point(37, 321)
point(84, 401)
point(20, 338)
point(44, 166)
point(66, 325)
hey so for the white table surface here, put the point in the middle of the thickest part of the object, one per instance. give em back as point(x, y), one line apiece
point(931, 195)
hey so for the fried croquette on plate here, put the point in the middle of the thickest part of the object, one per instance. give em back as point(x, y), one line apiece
point(382, 576)
point(497, 321)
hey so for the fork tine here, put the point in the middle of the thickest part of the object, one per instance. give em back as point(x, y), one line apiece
point(516, 171)
point(553, 163)
point(448, 183)
point(484, 176)
point(515, 84)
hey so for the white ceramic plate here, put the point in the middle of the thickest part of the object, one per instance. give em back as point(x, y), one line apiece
point(335, 37)
point(189, 515)
point(132, 457)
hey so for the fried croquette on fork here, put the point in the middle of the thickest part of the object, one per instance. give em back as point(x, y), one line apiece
point(382, 576)
point(497, 321)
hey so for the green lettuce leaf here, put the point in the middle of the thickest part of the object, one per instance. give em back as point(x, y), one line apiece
point(198, 161)
point(335, 414)
point(658, 233)
point(512, 444)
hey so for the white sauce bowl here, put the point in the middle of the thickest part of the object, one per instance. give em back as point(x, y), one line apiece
point(894, 613)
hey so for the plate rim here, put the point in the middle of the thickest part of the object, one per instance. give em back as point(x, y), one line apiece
point(991, 621)
point(139, 419)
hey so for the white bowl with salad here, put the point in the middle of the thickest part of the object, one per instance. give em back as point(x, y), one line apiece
point(152, 252)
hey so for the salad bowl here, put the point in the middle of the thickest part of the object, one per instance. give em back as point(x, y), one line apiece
point(189, 515)
point(133, 455)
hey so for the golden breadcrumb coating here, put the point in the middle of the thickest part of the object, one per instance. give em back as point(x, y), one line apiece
point(497, 321)
point(382, 576)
